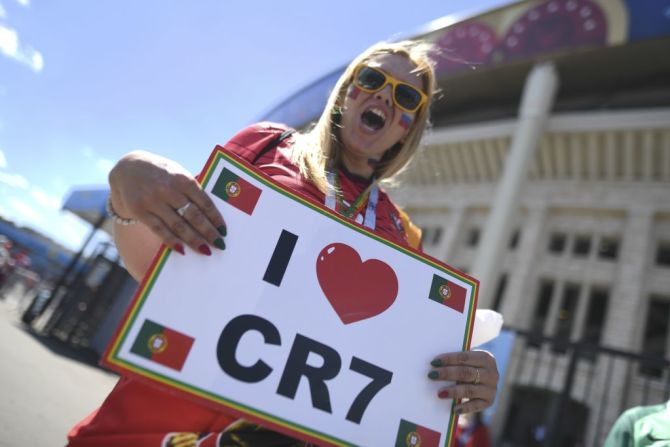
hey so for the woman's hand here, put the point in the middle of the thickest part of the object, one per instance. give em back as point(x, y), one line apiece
point(476, 377)
point(153, 190)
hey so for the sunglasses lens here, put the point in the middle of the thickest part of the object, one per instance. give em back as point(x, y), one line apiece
point(407, 97)
point(370, 79)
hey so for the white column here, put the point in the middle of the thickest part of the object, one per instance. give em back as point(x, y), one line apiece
point(451, 232)
point(536, 102)
point(625, 316)
point(518, 303)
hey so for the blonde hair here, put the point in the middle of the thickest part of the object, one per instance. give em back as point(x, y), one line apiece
point(315, 150)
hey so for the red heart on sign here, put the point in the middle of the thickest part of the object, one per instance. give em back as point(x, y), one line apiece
point(357, 290)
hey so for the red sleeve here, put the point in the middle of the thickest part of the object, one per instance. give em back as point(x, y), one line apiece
point(251, 140)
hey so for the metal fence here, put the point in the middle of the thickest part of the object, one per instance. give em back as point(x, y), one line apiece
point(78, 310)
point(569, 394)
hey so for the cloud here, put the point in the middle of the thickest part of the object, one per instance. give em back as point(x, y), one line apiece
point(9, 41)
point(70, 230)
point(10, 47)
point(88, 152)
point(103, 164)
point(14, 180)
point(3, 160)
point(3, 14)
point(63, 227)
point(44, 199)
point(25, 3)
point(25, 210)
point(3, 210)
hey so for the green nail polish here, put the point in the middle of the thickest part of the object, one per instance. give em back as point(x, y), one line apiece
point(222, 230)
point(218, 243)
point(436, 362)
point(433, 375)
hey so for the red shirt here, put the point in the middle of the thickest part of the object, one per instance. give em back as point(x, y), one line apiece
point(277, 164)
point(138, 414)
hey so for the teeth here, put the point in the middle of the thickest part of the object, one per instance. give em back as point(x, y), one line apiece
point(379, 113)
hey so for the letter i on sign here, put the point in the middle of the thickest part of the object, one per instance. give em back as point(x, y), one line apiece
point(280, 258)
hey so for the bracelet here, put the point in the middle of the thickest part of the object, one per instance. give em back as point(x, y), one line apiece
point(115, 217)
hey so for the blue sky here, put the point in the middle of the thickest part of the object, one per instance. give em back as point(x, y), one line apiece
point(83, 82)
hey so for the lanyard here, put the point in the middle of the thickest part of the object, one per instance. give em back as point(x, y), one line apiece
point(335, 202)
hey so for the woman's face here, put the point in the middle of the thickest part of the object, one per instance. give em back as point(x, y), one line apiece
point(371, 122)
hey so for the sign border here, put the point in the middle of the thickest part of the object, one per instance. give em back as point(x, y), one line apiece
point(111, 359)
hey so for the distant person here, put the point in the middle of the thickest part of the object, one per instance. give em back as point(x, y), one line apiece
point(471, 432)
point(368, 132)
point(22, 260)
point(647, 426)
point(6, 261)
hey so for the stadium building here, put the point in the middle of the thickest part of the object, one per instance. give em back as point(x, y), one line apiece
point(547, 176)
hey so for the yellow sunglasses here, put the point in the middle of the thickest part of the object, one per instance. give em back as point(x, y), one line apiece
point(407, 97)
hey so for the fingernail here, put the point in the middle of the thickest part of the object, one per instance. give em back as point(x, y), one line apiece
point(179, 249)
point(204, 249)
point(443, 394)
point(218, 242)
point(436, 362)
point(223, 231)
point(433, 375)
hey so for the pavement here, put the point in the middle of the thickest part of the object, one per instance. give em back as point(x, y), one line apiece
point(45, 386)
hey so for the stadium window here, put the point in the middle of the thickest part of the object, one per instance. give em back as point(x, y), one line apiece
point(437, 235)
point(566, 317)
point(500, 292)
point(663, 254)
point(514, 239)
point(582, 245)
point(655, 342)
point(595, 318)
point(426, 235)
point(473, 237)
point(557, 243)
point(542, 307)
point(431, 235)
point(608, 248)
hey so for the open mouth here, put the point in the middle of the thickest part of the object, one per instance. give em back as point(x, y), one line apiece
point(373, 119)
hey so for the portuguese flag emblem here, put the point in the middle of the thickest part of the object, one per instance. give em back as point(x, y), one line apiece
point(162, 345)
point(412, 435)
point(236, 191)
point(446, 292)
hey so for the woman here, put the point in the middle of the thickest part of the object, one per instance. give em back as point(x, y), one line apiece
point(368, 132)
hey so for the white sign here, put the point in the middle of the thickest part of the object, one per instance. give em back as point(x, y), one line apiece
point(306, 323)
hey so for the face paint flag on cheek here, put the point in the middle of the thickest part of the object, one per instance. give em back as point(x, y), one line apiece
point(405, 121)
point(354, 92)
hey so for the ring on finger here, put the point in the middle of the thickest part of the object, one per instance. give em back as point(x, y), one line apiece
point(476, 381)
point(182, 209)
